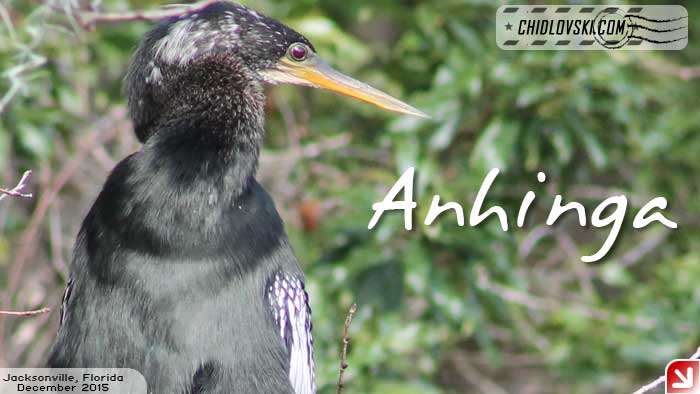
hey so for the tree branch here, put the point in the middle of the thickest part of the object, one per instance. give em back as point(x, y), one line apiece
point(30, 61)
point(107, 127)
point(88, 19)
point(344, 352)
point(535, 302)
point(17, 190)
point(26, 313)
point(661, 379)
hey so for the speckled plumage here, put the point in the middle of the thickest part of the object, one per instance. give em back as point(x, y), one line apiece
point(224, 35)
point(173, 265)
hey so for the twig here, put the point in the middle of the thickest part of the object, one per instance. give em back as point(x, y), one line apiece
point(17, 190)
point(276, 166)
point(581, 270)
point(56, 239)
point(532, 238)
point(7, 21)
point(108, 127)
point(344, 352)
point(26, 313)
point(595, 192)
point(644, 247)
point(664, 67)
point(472, 375)
point(661, 379)
point(30, 60)
point(88, 19)
point(15, 74)
point(550, 305)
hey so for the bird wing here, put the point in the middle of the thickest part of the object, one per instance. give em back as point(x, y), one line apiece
point(290, 307)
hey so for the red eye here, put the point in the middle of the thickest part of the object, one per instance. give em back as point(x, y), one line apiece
point(298, 52)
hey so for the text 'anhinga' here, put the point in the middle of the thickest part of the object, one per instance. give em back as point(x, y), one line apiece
point(182, 269)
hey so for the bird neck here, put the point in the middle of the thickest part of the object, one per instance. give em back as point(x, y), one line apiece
point(176, 196)
point(193, 158)
point(211, 125)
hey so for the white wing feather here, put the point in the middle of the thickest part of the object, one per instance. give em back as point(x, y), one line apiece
point(290, 306)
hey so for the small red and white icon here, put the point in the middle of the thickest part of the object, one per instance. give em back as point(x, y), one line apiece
point(683, 377)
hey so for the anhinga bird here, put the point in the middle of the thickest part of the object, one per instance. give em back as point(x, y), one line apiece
point(182, 269)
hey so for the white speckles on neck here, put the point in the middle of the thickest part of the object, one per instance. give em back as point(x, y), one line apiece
point(155, 76)
point(231, 23)
point(191, 37)
point(173, 47)
point(255, 14)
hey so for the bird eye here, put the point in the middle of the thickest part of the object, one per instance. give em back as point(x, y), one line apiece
point(298, 52)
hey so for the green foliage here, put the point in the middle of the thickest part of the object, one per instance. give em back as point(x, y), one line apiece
point(595, 122)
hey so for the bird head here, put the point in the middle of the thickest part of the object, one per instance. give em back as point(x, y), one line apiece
point(207, 56)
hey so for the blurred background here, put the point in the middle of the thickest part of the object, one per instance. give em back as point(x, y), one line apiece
point(442, 309)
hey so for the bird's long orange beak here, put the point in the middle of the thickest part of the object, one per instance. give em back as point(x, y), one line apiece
point(314, 72)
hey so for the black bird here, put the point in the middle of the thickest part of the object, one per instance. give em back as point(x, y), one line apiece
point(182, 269)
